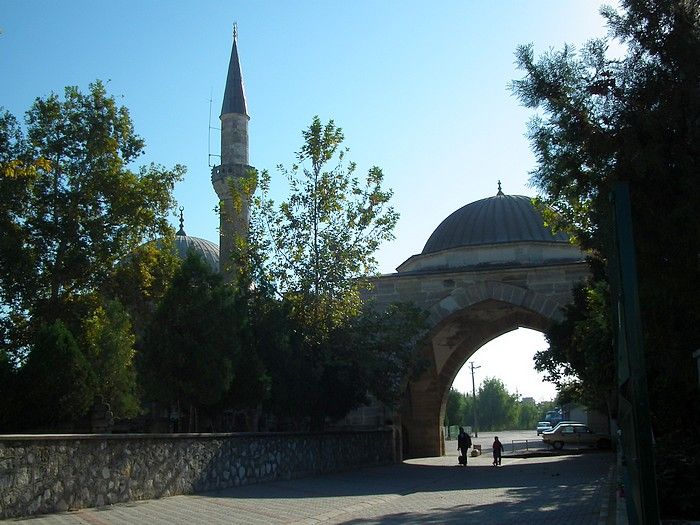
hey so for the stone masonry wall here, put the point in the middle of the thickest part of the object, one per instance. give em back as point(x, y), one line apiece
point(42, 474)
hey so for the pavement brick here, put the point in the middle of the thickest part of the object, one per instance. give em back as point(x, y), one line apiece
point(568, 489)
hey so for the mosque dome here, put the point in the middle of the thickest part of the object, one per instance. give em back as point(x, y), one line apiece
point(207, 250)
point(494, 220)
point(504, 230)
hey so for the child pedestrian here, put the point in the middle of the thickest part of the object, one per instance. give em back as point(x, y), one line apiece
point(497, 451)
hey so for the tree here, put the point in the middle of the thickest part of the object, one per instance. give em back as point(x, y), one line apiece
point(8, 392)
point(633, 119)
point(459, 408)
point(192, 341)
point(140, 280)
point(321, 241)
point(527, 415)
point(57, 383)
point(71, 208)
point(579, 359)
point(109, 343)
point(316, 250)
point(496, 407)
point(386, 343)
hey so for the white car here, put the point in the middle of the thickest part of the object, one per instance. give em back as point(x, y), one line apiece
point(575, 434)
point(542, 426)
point(560, 423)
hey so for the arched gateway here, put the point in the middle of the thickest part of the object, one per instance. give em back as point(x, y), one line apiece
point(489, 268)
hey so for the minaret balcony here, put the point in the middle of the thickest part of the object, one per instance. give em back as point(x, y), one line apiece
point(224, 171)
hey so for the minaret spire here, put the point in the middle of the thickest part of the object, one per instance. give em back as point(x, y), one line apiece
point(231, 179)
point(234, 93)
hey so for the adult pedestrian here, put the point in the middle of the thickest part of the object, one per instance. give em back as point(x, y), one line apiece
point(497, 451)
point(463, 444)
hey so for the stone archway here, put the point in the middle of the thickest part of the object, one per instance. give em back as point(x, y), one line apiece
point(467, 309)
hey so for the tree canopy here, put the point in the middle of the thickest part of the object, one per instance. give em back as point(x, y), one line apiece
point(314, 251)
point(72, 207)
point(192, 341)
point(497, 408)
point(634, 118)
point(321, 241)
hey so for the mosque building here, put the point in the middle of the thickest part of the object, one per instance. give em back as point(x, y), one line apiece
point(504, 229)
point(490, 267)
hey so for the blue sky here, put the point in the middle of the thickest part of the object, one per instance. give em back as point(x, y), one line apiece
point(419, 88)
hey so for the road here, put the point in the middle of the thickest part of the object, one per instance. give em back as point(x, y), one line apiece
point(513, 441)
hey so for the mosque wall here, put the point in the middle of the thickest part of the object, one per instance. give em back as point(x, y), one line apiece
point(43, 474)
point(440, 292)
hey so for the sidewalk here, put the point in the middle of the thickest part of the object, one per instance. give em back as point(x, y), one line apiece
point(571, 490)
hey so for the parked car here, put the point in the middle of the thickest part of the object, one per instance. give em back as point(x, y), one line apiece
point(556, 425)
point(575, 434)
point(542, 426)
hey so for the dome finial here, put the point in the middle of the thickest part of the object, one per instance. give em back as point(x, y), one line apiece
point(499, 189)
point(181, 231)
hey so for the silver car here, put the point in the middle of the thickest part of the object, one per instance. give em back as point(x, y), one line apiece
point(575, 434)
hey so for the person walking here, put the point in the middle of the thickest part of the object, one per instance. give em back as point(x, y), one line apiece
point(463, 444)
point(497, 451)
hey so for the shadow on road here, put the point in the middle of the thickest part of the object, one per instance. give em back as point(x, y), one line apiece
point(560, 477)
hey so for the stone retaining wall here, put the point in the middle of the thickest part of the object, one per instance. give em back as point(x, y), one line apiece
point(43, 474)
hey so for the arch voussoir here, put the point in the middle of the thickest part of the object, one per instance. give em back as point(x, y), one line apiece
point(549, 308)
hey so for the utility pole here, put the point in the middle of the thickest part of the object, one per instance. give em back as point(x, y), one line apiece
point(476, 421)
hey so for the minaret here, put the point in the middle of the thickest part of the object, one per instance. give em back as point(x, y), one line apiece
point(231, 178)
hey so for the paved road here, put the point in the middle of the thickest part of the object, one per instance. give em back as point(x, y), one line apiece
point(561, 489)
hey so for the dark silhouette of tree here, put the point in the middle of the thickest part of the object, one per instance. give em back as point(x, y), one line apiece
point(192, 342)
point(634, 119)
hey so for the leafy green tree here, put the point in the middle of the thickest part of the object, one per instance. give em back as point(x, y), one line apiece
point(579, 360)
point(546, 406)
point(386, 342)
point(321, 241)
point(57, 382)
point(634, 119)
point(139, 282)
point(496, 407)
point(109, 343)
point(316, 250)
point(71, 208)
point(527, 415)
point(192, 343)
point(261, 329)
point(458, 410)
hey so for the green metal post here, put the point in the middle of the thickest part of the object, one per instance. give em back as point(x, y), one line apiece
point(634, 414)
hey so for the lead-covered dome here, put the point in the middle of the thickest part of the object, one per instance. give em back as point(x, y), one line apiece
point(207, 250)
point(500, 231)
point(494, 220)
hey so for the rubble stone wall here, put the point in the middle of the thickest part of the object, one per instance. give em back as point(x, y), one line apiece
point(44, 474)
